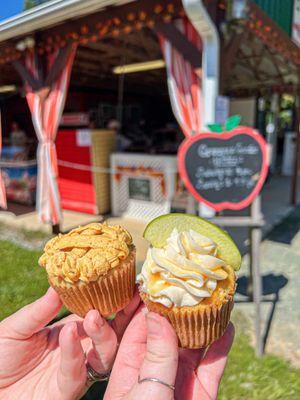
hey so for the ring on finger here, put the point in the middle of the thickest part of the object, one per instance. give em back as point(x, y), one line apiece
point(172, 387)
point(94, 376)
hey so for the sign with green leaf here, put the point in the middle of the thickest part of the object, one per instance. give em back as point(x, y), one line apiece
point(231, 123)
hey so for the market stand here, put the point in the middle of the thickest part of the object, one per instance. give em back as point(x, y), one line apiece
point(256, 56)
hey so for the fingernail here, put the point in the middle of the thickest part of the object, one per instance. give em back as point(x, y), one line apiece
point(153, 324)
point(73, 330)
point(98, 320)
point(144, 310)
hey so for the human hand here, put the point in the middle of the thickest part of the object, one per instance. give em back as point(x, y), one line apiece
point(149, 349)
point(39, 362)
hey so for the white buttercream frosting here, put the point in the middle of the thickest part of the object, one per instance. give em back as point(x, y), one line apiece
point(184, 272)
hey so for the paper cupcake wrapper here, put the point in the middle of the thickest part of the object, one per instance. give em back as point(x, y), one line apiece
point(109, 294)
point(196, 327)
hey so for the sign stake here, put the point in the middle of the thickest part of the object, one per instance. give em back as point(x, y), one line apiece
point(255, 276)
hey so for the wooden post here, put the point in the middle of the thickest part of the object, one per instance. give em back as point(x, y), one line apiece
point(297, 155)
point(255, 241)
point(255, 222)
point(250, 280)
point(191, 205)
point(56, 229)
point(275, 107)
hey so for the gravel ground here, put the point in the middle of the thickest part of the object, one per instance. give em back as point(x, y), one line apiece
point(280, 267)
point(26, 239)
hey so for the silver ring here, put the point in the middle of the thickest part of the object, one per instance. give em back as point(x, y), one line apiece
point(94, 376)
point(156, 380)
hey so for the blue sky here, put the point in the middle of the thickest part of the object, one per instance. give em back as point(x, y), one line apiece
point(8, 8)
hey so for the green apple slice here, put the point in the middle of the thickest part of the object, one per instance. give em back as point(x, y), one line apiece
point(159, 229)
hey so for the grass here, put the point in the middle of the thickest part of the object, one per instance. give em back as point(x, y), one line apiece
point(249, 378)
point(246, 377)
point(22, 280)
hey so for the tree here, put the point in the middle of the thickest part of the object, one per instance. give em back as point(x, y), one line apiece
point(32, 3)
point(29, 4)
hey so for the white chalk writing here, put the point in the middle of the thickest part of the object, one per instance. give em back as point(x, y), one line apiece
point(226, 167)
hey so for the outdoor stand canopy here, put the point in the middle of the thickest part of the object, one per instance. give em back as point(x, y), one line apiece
point(240, 73)
point(182, 49)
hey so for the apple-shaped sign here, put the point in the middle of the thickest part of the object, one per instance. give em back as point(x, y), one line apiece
point(224, 170)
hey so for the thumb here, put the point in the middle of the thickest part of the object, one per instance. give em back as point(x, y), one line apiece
point(33, 317)
point(160, 362)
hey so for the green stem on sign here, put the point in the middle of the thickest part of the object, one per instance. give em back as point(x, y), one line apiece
point(231, 123)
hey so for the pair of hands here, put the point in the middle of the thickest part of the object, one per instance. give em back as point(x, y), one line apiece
point(49, 362)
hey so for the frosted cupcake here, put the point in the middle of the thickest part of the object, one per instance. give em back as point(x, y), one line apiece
point(92, 267)
point(187, 278)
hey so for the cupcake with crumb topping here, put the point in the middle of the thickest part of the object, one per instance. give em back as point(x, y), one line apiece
point(92, 267)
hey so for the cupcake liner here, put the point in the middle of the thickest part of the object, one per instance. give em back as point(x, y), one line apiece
point(196, 327)
point(109, 294)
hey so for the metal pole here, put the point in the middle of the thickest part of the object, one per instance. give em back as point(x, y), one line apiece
point(255, 237)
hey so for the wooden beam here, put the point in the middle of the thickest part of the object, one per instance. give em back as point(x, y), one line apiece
point(58, 65)
point(281, 78)
point(40, 62)
point(241, 91)
point(40, 82)
point(190, 52)
point(229, 54)
point(145, 38)
point(26, 75)
point(294, 187)
point(120, 48)
point(291, 48)
point(124, 12)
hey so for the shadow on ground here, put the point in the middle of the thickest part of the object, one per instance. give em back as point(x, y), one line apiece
point(272, 284)
point(287, 229)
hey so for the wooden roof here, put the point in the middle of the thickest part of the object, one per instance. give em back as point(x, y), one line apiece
point(94, 62)
point(256, 54)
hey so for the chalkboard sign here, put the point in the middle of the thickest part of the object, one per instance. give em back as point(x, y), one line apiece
point(224, 171)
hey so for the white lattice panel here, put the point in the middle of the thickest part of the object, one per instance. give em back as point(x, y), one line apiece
point(160, 201)
point(146, 211)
